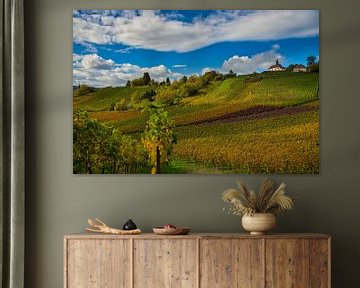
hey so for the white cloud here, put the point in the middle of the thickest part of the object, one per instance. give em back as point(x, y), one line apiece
point(94, 61)
point(106, 48)
point(179, 66)
point(151, 30)
point(89, 48)
point(255, 63)
point(77, 58)
point(95, 71)
point(126, 50)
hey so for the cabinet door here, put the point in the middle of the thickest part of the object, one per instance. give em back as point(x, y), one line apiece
point(231, 263)
point(98, 263)
point(287, 263)
point(165, 263)
point(320, 263)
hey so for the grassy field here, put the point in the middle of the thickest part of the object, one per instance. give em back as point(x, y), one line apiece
point(231, 126)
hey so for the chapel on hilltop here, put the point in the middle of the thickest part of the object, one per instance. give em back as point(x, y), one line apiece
point(276, 67)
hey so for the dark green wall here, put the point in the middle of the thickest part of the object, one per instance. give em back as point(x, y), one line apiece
point(59, 202)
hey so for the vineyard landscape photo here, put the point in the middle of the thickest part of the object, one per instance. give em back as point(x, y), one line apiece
point(196, 92)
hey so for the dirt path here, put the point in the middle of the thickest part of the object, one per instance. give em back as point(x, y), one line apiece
point(257, 112)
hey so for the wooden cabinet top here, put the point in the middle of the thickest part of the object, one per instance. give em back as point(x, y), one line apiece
point(199, 236)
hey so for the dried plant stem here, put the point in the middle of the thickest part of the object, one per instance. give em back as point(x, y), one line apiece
point(245, 201)
point(101, 227)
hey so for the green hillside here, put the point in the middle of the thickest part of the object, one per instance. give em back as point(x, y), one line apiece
point(216, 99)
point(103, 99)
point(263, 123)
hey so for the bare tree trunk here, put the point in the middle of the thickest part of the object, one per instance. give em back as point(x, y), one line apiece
point(158, 160)
point(89, 168)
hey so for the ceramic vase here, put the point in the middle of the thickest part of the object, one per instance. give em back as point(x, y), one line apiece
point(259, 223)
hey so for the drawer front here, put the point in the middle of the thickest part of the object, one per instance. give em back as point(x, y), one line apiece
point(98, 263)
point(287, 263)
point(320, 263)
point(165, 263)
point(297, 263)
point(231, 263)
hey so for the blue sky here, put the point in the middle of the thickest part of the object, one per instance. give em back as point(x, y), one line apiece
point(113, 46)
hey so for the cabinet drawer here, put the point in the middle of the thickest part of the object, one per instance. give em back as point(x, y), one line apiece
point(297, 263)
point(168, 263)
point(231, 263)
point(98, 263)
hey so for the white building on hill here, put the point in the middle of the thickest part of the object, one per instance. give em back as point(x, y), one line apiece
point(299, 68)
point(276, 67)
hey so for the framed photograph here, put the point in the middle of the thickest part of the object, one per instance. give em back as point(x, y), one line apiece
point(196, 92)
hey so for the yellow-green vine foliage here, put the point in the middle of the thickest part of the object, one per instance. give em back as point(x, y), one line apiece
point(159, 137)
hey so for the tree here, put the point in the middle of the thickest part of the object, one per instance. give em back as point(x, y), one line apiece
point(159, 138)
point(149, 94)
point(121, 105)
point(314, 68)
point(139, 95)
point(100, 149)
point(83, 90)
point(188, 89)
point(193, 78)
point(290, 67)
point(125, 154)
point(89, 142)
point(168, 81)
point(310, 60)
point(183, 79)
point(167, 97)
point(209, 76)
point(128, 83)
point(146, 78)
point(154, 83)
point(136, 97)
point(231, 72)
point(137, 82)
